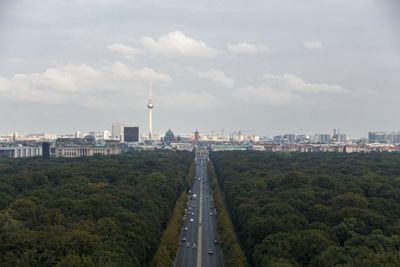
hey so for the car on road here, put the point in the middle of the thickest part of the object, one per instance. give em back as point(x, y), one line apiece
point(188, 244)
point(186, 228)
point(191, 220)
point(216, 241)
point(184, 239)
point(210, 251)
point(192, 213)
point(211, 214)
point(194, 245)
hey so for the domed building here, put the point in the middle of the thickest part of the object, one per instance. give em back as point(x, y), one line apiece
point(169, 137)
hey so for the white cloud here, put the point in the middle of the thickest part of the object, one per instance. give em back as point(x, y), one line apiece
point(80, 84)
point(218, 77)
point(313, 45)
point(290, 82)
point(246, 48)
point(147, 74)
point(124, 49)
point(177, 44)
point(265, 95)
point(283, 89)
point(122, 72)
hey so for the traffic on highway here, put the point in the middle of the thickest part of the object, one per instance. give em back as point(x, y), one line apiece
point(199, 236)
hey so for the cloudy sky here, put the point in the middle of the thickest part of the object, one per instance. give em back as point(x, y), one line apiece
point(263, 67)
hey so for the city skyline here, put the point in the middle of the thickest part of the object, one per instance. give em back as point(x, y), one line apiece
point(241, 67)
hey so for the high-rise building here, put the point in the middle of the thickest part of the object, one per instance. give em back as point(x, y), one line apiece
point(289, 138)
point(324, 138)
point(106, 135)
point(116, 131)
point(301, 138)
point(131, 134)
point(124, 133)
point(46, 150)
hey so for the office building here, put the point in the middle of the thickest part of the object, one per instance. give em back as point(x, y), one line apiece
point(289, 138)
point(117, 131)
point(384, 137)
point(125, 133)
point(131, 134)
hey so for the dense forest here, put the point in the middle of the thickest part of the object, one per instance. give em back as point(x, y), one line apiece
point(97, 211)
point(316, 209)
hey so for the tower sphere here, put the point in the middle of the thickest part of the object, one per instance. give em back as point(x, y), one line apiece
point(150, 105)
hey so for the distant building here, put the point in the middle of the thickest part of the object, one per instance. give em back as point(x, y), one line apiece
point(169, 137)
point(87, 146)
point(278, 139)
point(20, 151)
point(254, 138)
point(116, 131)
point(338, 137)
point(106, 135)
point(322, 138)
point(384, 137)
point(289, 138)
point(125, 133)
point(131, 134)
point(232, 147)
point(79, 134)
point(182, 146)
point(301, 138)
point(46, 150)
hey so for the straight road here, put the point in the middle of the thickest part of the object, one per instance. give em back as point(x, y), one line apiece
point(202, 231)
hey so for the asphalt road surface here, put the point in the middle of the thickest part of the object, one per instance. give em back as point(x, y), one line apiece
point(202, 231)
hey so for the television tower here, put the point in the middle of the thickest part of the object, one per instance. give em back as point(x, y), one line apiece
point(150, 107)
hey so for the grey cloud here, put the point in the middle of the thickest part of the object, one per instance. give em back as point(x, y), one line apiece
point(38, 39)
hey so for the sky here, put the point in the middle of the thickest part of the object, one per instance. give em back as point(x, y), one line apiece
point(260, 67)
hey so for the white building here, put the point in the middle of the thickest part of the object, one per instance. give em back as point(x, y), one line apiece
point(182, 146)
point(16, 151)
point(87, 146)
point(117, 131)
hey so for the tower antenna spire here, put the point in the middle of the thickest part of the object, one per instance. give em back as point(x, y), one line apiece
point(150, 90)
